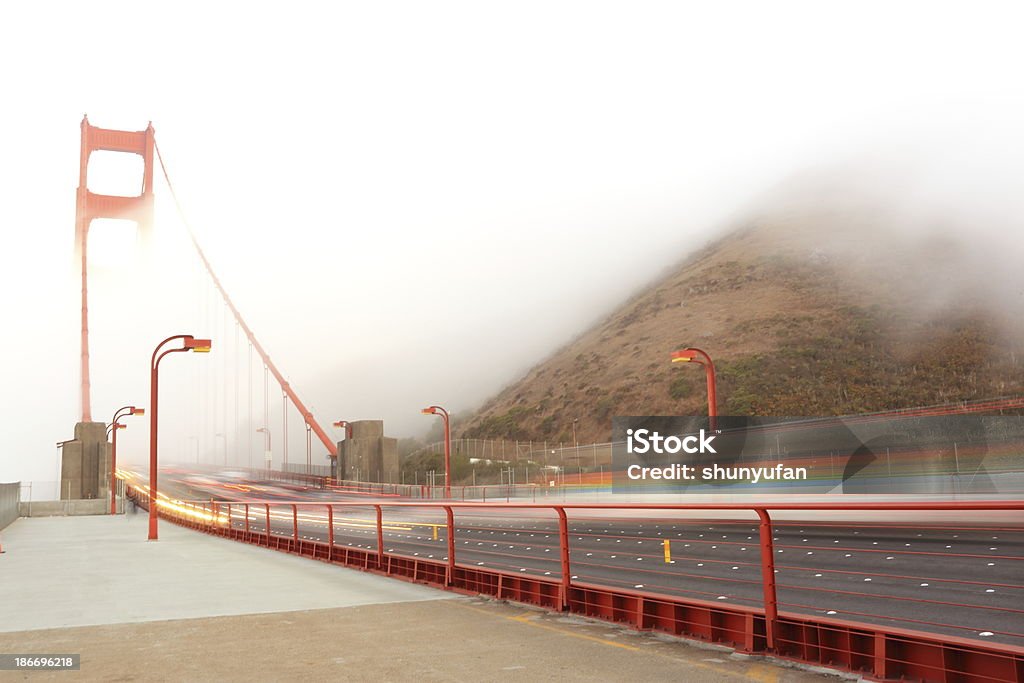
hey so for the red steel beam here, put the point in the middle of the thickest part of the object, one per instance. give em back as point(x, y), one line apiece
point(380, 535)
point(563, 548)
point(771, 600)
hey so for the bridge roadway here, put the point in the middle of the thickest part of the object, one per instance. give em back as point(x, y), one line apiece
point(964, 579)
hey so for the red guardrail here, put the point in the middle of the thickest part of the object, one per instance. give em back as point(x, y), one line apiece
point(879, 650)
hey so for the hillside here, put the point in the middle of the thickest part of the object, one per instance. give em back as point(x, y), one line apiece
point(807, 310)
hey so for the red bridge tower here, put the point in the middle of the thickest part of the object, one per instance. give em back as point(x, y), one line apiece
point(90, 206)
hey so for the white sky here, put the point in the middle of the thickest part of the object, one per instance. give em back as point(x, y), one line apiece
point(414, 202)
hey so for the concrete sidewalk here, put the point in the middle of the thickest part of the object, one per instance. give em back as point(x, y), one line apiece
point(192, 607)
point(77, 571)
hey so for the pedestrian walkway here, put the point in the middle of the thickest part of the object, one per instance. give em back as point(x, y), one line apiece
point(193, 607)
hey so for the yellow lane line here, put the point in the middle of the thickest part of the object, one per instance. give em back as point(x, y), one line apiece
point(764, 673)
point(755, 672)
point(528, 619)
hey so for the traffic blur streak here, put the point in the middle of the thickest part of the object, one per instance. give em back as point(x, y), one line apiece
point(794, 589)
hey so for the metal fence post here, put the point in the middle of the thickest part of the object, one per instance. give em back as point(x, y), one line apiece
point(771, 605)
point(380, 536)
point(450, 519)
point(563, 546)
point(330, 532)
point(268, 524)
point(295, 525)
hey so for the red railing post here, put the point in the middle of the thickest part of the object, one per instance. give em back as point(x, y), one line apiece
point(230, 523)
point(268, 524)
point(380, 536)
point(330, 532)
point(879, 656)
point(295, 525)
point(450, 520)
point(771, 604)
point(563, 546)
point(246, 521)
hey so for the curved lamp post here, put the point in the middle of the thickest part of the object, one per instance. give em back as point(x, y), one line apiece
point(114, 426)
point(694, 355)
point(438, 410)
point(188, 343)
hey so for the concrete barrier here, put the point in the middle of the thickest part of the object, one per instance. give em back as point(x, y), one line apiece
point(10, 496)
point(71, 508)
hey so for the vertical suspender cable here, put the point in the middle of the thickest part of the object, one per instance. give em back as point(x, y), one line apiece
point(236, 394)
point(284, 437)
point(203, 413)
point(212, 385)
point(266, 407)
point(249, 387)
point(309, 450)
point(224, 376)
point(193, 406)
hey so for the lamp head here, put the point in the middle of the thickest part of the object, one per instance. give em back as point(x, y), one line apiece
point(684, 356)
point(429, 411)
point(137, 411)
point(198, 345)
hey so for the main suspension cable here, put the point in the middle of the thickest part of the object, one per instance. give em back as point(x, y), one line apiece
point(285, 387)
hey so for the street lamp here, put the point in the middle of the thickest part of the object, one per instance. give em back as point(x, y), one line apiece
point(438, 410)
point(267, 453)
point(346, 425)
point(575, 441)
point(693, 355)
point(114, 426)
point(188, 343)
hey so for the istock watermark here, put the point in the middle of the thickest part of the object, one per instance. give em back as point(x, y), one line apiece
point(644, 441)
point(955, 455)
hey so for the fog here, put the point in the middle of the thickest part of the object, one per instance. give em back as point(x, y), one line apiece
point(413, 204)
